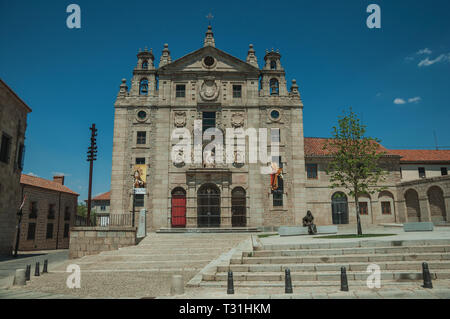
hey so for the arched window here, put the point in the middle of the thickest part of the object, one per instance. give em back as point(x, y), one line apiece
point(412, 206)
point(339, 208)
point(273, 65)
point(143, 87)
point(145, 64)
point(238, 207)
point(178, 207)
point(437, 204)
point(274, 87)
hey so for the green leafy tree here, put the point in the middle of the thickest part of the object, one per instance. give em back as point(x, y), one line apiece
point(356, 160)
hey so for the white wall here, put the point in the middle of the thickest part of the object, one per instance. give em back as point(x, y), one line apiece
point(411, 171)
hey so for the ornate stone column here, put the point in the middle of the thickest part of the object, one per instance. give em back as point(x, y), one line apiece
point(191, 204)
point(225, 203)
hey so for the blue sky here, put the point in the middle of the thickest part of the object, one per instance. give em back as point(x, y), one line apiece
point(70, 78)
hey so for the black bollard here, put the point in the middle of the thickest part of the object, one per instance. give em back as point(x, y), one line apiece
point(36, 269)
point(287, 281)
point(230, 285)
point(28, 273)
point(44, 271)
point(344, 282)
point(426, 276)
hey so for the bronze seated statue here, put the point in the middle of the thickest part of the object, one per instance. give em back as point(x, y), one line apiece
point(308, 221)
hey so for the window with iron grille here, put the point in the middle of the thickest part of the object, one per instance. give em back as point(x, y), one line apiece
point(208, 120)
point(51, 211)
point(139, 200)
point(363, 208)
point(386, 208)
point(237, 91)
point(67, 213)
point(66, 230)
point(421, 172)
point(31, 231)
point(141, 137)
point(140, 160)
point(21, 157)
point(444, 171)
point(278, 194)
point(49, 234)
point(102, 208)
point(311, 171)
point(180, 90)
point(5, 148)
point(33, 210)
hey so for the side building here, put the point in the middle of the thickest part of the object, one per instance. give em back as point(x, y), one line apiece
point(13, 124)
point(48, 214)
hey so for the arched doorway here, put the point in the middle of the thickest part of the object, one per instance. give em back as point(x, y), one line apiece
point(178, 207)
point(208, 206)
point(238, 208)
point(437, 204)
point(412, 205)
point(339, 208)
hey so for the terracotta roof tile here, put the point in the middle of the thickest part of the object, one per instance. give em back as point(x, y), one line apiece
point(104, 196)
point(314, 147)
point(422, 155)
point(45, 183)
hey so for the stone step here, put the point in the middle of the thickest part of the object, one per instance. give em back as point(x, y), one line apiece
point(141, 265)
point(403, 265)
point(342, 258)
point(145, 257)
point(158, 251)
point(324, 276)
point(350, 251)
point(208, 230)
point(355, 244)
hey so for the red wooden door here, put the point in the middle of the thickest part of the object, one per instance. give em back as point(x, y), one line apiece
point(178, 211)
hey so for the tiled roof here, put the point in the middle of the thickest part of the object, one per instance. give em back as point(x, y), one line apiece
point(423, 155)
point(314, 147)
point(45, 183)
point(104, 196)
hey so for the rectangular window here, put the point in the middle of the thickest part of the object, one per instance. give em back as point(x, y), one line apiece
point(31, 231)
point(208, 120)
point(401, 173)
point(49, 234)
point(237, 91)
point(140, 160)
point(139, 200)
point(421, 172)
point(67, 213)
point(21, 157)
point(103, 208)
point(33, 210)
point(386, 208)
point(51, 211)
point(66, 230)
point(5, 148)
point(444, 171)
point(363, 208)
point(278, 194)
point(141, 138)
point(180, 90)
point(275, 135)
point(311, 171)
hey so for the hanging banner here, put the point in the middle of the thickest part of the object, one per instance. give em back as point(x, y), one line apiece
point(140, 178)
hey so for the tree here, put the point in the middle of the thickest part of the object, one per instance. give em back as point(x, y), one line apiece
point(356, 158)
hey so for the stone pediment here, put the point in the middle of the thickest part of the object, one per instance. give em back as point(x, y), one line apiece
point(200, 60)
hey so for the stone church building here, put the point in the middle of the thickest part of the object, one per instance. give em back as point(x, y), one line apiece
point(222, 91)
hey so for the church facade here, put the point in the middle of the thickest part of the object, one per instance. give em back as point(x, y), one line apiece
point(218, 90)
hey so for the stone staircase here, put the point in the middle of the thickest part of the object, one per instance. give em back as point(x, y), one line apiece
point(319, 264)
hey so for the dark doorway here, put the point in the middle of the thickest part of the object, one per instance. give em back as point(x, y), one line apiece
point(208, 206)
point(238, 208)
point(339, 206)
point(179, 207)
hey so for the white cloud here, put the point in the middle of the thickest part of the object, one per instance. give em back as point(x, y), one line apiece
point(32, 174)
point(59, 174)
point(399, 101)
point(416, 99)
point(425, 51)
point(442, 58)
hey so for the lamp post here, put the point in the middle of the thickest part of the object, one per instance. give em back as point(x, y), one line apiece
point(92, 156)
point(134, 206)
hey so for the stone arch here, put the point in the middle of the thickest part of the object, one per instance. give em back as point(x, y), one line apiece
point(274, 86)
point(339, 208)
point(386, 200)
point(412, 205)
point(365, 204)
point(143, 86)
point(208, 205)
point(437, 204)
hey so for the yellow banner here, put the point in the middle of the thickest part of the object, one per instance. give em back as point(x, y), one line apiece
point(140, 176)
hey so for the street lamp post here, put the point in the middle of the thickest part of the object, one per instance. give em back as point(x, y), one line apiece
point(134, 206)
point(92, 156)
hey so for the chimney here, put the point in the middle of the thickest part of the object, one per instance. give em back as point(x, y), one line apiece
point(59, 179)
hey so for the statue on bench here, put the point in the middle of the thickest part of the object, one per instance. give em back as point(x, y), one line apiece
point(308, 221)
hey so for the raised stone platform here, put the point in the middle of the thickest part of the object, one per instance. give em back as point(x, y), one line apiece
point(413, 227)
point(208, 230)
point(300, 230)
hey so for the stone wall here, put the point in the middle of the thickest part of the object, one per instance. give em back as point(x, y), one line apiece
point(86, 241)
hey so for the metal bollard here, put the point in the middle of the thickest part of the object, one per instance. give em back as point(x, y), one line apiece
point(20, 278)
point(344, 282)
point(177, 285)
point(230, 284)
point(45, 270)
point(287, 281)
point(28, 273)
point(426, 276)
point(36, 269)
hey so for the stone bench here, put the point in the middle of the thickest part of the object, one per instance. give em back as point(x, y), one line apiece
point(423, 226)
point(300, 230)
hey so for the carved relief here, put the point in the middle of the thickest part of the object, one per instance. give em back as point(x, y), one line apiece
point(209, 90)
point(180, 119)
point(237, 120)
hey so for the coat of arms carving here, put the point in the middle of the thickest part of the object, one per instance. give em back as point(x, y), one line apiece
point(180, 119)
point(209, 91)
point(237, 120)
